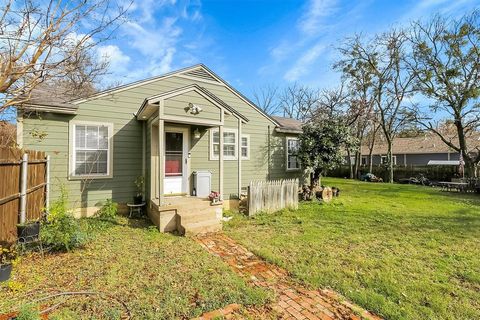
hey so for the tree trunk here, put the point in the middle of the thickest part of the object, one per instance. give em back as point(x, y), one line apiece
point(350, 165)
point(390, 160)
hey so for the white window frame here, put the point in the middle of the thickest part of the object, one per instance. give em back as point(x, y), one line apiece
point(228, 158)
point(286, 155)
point(247, 136)
point(362, 161)
point(394, 158)
point(72, 153)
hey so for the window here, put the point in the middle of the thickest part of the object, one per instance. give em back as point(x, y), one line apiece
point(245, 147)
point(91, 149)
point(385, 161)
point(230, 145)
point(364, 161)
point(292, 159)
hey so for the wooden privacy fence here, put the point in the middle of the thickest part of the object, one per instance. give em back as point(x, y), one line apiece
point(272, 196)
point(24, 189)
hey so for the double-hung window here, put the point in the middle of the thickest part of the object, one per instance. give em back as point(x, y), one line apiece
point(384, 160)
point(245, 147)
point(292, 159)
point(91, 149)
point(230, 145)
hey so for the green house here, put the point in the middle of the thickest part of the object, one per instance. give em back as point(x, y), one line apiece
point(182, 131)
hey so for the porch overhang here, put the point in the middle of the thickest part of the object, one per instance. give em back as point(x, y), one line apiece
point(152, 104)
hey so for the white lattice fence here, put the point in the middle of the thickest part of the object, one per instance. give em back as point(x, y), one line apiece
point(270, 196)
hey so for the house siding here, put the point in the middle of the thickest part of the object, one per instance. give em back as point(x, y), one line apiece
point(118, 108)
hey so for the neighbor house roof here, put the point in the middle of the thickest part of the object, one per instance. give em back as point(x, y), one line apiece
point(46, 99)
point(428, 143)
point(288, 125)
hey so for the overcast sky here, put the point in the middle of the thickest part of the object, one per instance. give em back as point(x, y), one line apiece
point(253, 43)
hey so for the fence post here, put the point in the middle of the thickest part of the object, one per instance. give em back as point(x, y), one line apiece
point(47, 185)
point(23, 188)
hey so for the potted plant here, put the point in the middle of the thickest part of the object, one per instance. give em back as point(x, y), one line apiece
point(139, 183)
point(7, 255)
point(28, 231)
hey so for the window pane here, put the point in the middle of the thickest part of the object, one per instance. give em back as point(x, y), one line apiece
point(92, 137)
point(229, 150)
point(216, 149)
point(244, 152)
point(292, 146)
point(80, 136)
point(216, 137)
point(103, 137)
point(244, 141)
point(229, 137)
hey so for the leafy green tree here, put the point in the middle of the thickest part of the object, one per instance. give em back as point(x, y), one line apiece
point(322, 146)
point(446, 63)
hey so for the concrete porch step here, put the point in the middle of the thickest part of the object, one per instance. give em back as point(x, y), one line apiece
point(202, 227)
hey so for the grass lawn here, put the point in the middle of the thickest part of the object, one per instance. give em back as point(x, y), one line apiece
point(404, 252)
point(157, 276)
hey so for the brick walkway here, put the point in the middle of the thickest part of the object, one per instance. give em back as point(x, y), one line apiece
point(292, 300)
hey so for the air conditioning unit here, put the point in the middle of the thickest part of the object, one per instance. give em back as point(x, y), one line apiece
point(202, 183)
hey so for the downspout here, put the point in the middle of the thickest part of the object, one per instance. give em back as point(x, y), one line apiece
point(268, 151)
point(144, 152)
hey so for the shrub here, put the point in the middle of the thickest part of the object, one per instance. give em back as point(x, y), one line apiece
point(61, 231)
point(108, 210)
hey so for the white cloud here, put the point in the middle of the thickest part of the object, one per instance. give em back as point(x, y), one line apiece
point(118, 61)
point(301, 66)
point(312, 20)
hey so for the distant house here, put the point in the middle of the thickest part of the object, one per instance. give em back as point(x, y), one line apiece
point(418, 151)
point(187, 132)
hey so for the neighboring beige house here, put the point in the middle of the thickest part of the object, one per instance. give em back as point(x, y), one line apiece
point(417, 151)
point(188, 132)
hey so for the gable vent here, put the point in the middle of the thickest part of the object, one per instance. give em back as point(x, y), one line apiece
point(200, 73)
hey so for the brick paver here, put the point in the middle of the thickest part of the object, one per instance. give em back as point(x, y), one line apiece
point(292, 300)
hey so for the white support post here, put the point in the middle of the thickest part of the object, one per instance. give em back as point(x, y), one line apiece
point(23, 189)
point(47, 186)
point(161, 159)
point(220, 160)
point(239, 159)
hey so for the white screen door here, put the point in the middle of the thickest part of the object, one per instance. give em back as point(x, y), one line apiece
point(175, 162)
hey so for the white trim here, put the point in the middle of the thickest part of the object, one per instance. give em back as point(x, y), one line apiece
point(20, 128)
point(72, 153)
point(186, 120)
point(394, 158)
point(185, 131)
point(244, 135)
point(227, 158)
point(286, 155)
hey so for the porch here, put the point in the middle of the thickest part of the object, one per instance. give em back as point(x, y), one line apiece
point(185, 135)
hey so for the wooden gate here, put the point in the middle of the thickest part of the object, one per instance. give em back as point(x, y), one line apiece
point(23, 189)
point(270, 196)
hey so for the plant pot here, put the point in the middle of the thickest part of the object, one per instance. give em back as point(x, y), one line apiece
point(5, 272)
point(28, 231)
point(138, 200)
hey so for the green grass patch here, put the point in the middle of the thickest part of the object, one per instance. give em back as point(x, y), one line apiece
point(157, 276)
point(404, 252)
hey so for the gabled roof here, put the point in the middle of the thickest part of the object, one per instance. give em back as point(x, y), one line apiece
point(199, 89)
point(198, 71)
point(288, 125)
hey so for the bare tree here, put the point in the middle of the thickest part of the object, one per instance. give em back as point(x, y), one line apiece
point(298, 102)
point(266, 98)
point(383, 58)
point(446, 65)
point(51, 41)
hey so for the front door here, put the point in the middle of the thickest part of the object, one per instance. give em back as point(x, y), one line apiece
point(176, 150)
